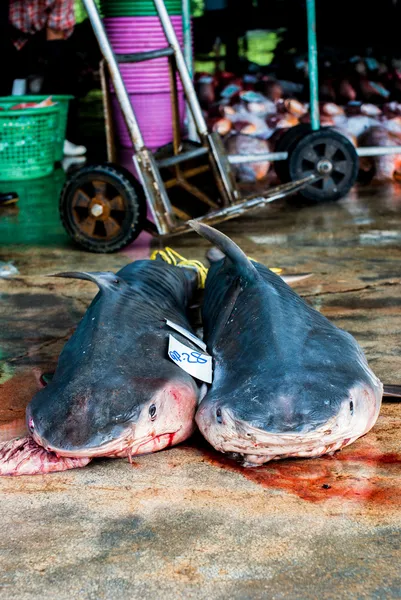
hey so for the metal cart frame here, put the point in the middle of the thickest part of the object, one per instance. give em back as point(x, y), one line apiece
point(167, 219)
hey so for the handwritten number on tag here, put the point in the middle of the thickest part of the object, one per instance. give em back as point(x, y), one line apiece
point(192, 361)
point(194, 357)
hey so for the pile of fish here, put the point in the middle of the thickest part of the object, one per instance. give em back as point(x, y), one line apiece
point(252, 122)
point(342, 78)
point(286, 382)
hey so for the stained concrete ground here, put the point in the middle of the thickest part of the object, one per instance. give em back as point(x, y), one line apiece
point(186, 522)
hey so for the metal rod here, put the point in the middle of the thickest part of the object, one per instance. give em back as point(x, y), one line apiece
point(239, 159)
point(223, 173)
point(192, 189)
point(175, 160)
point(313, 65)
point(122, 95)
point(142, 56)
point(187, 174)
point(283, 187)
point(234, 210)
point(156, 194)
point(258, 200)
point(182, 69)
point(378, 151)
point(108, 112)
point(186, 26)
point(175, 109)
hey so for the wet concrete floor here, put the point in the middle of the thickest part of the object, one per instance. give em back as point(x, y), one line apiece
point(186, 522)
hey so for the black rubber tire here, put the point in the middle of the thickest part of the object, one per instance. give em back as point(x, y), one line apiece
point(287, 143)
point(318, 145)
point(132, 217)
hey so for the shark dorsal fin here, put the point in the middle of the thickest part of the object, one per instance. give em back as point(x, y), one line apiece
point(229, 248)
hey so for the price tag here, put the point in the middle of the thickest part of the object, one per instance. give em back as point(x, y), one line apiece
point(192, 361)
point(186, 334)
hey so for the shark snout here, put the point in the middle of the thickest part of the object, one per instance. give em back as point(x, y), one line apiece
point(216, 423)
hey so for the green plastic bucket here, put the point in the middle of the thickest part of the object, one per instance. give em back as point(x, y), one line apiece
point(28, 141)
point(63, 102)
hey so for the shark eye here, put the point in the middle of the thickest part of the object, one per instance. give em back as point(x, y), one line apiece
point(152, 412)
point(218, 416)
point(351, 407)
point(116, 281)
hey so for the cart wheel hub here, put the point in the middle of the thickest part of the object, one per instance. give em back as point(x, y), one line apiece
point(324, 166)
point(97, 210)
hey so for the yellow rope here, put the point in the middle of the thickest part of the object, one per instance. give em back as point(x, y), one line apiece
point(172, 257)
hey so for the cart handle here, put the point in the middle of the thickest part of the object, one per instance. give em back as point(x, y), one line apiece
point(122, 95)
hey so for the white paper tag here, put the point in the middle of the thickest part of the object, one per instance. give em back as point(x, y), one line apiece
point(192, 361)
point(187, 334)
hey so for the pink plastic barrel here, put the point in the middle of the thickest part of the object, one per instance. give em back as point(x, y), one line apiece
point(147, 83)
point(154, 115)
point(140, 34)
point(127, 23)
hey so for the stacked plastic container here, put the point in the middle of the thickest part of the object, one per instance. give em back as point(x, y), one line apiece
point(133, 26)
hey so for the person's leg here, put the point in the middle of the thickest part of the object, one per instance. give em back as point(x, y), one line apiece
point(58, 73)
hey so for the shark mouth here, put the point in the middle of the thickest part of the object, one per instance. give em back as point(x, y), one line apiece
point(253, 446)
point(261, 447)
point(124, 446)
point(253, 459)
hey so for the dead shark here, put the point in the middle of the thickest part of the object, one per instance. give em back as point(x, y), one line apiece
point(287, 382)
point(115, 392)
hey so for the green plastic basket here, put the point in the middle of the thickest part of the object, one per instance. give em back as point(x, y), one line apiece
point(139, 8)
point(63, 102)
point(35, 218)
point(28, 142)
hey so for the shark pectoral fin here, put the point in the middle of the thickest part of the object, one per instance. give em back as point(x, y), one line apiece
point(392, 391)
point(294, 278)
point(105, 280)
